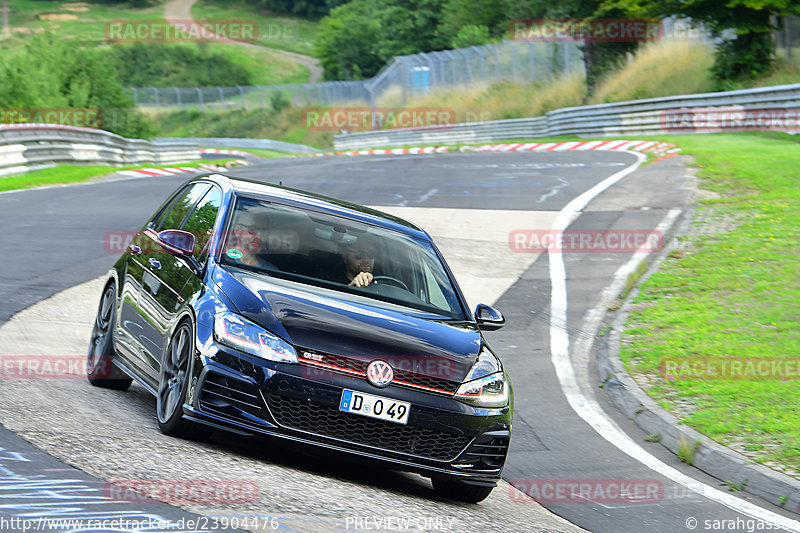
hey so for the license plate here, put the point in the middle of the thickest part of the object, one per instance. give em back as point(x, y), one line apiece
point(374, 406)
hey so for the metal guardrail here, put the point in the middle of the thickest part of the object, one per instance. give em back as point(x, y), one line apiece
point(25, 147)
point(779, 109)
point(230, 142)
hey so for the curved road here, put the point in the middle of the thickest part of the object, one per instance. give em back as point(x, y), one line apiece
point(469, 203)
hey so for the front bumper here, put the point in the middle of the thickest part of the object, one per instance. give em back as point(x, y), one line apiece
point(443, 437)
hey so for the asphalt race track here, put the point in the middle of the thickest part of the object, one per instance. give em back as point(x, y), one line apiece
point(53, 239)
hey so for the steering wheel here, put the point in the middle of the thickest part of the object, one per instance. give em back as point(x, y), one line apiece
point(392, 281)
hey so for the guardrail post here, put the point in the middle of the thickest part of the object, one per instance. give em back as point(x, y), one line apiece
point(241, 92)
point(532, 59)
point(199, 97)
point(513, 61)
point(483, 62)
point(155, 94)
point(178, 95)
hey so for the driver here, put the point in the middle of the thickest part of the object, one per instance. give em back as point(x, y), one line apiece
point(251, 232)
point(359, 262)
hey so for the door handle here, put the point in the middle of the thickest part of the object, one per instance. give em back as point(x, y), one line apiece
point(134, 250)
point(154, 263)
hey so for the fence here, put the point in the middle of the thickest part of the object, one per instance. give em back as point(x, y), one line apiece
point(26, 147)
point(767, 108)
point(402, 78)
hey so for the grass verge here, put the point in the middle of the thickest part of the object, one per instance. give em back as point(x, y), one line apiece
point(64, 174)
point(730, 291)
point(285, 33)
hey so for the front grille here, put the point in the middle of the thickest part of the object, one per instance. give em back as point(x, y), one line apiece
point(231, 397)
point(488, 452)
point(330, 422)
point(359, 366)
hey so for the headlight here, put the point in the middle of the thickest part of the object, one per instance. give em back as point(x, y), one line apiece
point(491, 391)
point(486, 384)
point(232, 330)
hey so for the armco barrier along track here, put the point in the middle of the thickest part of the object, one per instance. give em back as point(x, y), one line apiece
point(26, 147)
point(764, 109)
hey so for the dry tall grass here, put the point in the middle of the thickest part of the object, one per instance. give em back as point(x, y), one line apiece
point(504, 100)
point(664, 68)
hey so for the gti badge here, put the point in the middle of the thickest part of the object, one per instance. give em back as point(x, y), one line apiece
point(379, 373)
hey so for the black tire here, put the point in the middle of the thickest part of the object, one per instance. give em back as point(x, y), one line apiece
point(173, 383)
point(100, 369)
point(458, 490)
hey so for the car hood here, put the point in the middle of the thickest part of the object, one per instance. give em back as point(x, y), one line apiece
point(318, 320)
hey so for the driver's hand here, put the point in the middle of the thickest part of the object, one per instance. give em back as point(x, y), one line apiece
point(362, 279)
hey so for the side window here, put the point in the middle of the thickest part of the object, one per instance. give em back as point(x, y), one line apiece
point(180, 208)
point(435, 294)
point(201, 222)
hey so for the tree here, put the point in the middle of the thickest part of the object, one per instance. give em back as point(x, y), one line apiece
point(470, 36)
point(744, 27)
point(51, 73)
point(457, 14)
point(358, 38)
point(598, 57)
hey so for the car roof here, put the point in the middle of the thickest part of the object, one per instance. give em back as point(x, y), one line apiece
point(252, 188)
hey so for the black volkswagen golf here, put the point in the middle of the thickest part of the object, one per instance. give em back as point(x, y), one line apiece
point(263, 310)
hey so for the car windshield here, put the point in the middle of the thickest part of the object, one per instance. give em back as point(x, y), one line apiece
point(329, 251)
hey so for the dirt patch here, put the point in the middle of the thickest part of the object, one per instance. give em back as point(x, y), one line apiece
point(58, 16)
point(78, 7)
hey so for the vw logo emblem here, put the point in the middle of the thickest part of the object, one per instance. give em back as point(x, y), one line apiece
point(379, 373)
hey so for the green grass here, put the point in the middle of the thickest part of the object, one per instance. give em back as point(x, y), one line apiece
point(287, 125)
point(731, 294)
point(27, 16)
point(285, 33)
point(266, 67)
point(64, 174)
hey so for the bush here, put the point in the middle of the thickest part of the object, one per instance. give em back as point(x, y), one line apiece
point(471, 36)
point(279, 101)
point(158, 65)
point(746, 57)
point(50, 73)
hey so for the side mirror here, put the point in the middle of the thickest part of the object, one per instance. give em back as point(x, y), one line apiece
point(177, 242)
point(489, 318)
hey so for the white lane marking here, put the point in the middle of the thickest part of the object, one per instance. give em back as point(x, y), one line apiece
point(553, 191)
point(587, 408)
point(427, 195)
